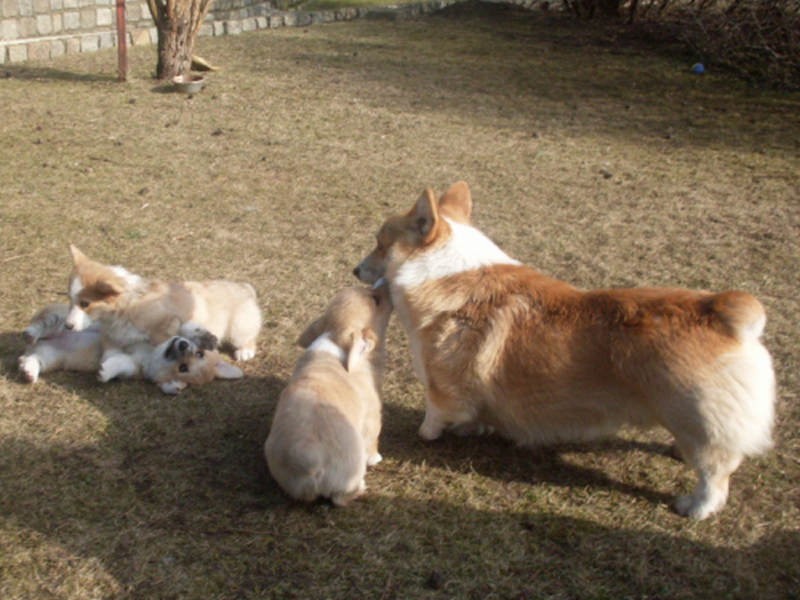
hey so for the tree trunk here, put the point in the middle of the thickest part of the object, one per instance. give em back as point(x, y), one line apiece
point(178, 23)
point(175, 49)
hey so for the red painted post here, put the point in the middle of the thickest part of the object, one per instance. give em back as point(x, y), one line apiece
point(122, 41)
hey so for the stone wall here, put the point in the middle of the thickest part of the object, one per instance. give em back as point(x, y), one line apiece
point(43, 29)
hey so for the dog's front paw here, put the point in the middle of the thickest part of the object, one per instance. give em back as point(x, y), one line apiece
point(198, 334)
point(244, 354)
point(172, 388)
point(374, 459)
point(30, 367)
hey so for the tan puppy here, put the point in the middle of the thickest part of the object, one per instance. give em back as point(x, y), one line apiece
point(132, 310)
point(173, 365)
point(501, 347)
point(326, 425)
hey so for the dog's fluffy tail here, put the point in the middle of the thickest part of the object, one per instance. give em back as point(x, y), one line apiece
point(742, 313)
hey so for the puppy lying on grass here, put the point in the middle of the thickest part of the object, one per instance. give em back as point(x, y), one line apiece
point(190, 358)
point(326, 425)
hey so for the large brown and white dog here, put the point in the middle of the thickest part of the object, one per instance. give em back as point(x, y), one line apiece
point(132, 310)
point(325, 430)
point(190, 358)
point(501, 347)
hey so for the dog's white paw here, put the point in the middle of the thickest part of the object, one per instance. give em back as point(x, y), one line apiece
point(430, 430)
point(374, 459)
point(244, 354)
point(699, 508)
point(30, 367)
point(172, 388)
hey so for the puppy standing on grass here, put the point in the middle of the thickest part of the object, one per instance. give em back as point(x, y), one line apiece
point(501, 347)
point(325, 430)
point(132, 310)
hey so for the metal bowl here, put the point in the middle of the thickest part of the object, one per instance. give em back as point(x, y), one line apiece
point(189, 84)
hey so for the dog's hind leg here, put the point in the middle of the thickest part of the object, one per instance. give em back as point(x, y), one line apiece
point(117, 365)
point(711, 492)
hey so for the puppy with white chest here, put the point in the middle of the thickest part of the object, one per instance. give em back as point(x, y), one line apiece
point(502, 348)
point(190, 358)
point(325, 430)
point(132, 309)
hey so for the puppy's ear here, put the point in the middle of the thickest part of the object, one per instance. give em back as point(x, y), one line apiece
point(456, 203)
point(312, 332)
point(223, 370)
point(78, 257)
point(425, 216)
point(358, 347)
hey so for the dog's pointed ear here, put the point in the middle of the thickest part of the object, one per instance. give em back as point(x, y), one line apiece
point(358, 346)
point(110, 287)
point(78, 257)
point(312, 332)
point(224, 370)
point(456, 202)
point(425, 215)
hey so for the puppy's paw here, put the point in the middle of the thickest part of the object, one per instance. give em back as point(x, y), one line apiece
point(32, 333)
point(30, 367)
point(198, 334)
point(172, 388)
point(244, 354)
point(374, 459)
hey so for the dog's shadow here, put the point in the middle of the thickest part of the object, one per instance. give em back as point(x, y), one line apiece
point(496, 458)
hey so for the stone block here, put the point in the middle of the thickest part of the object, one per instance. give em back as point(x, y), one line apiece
point(9, 29)
point(72, 45)
point(261, 22)
point(107, 39)
point(88, 18)
point(25, 8)
point(233, 27)
point(72, 20)
point(219, 28)
point(90, 43)
point(140, 37)
point(41, 7)
point(57, 48)
point(17, 53)
point(249, 24)
point(3, 54)
point(39, 51)
point(27, 27)
point(9, 8)
point(105, 17)
point(58, 23)
point(44, 24)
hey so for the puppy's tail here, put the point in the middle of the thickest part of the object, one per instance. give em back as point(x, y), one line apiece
point(742, 313)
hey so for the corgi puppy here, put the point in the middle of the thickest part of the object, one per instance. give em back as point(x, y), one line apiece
point(500, 347)
point(173, 364)
point(325, 430)
point(133, 310)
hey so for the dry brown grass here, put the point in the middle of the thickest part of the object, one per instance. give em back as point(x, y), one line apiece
point(591, 157)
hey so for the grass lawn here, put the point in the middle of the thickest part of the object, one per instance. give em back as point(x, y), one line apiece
point(592, 156)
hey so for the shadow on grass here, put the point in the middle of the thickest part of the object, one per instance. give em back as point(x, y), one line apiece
point(44, 74)
point(500, 459)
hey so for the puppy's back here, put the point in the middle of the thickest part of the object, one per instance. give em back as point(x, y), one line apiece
point(314, 450)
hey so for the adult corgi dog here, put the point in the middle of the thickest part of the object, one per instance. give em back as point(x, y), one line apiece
point(132, 309)
point(173, 364)
point(325, 430)
point(501, 347)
